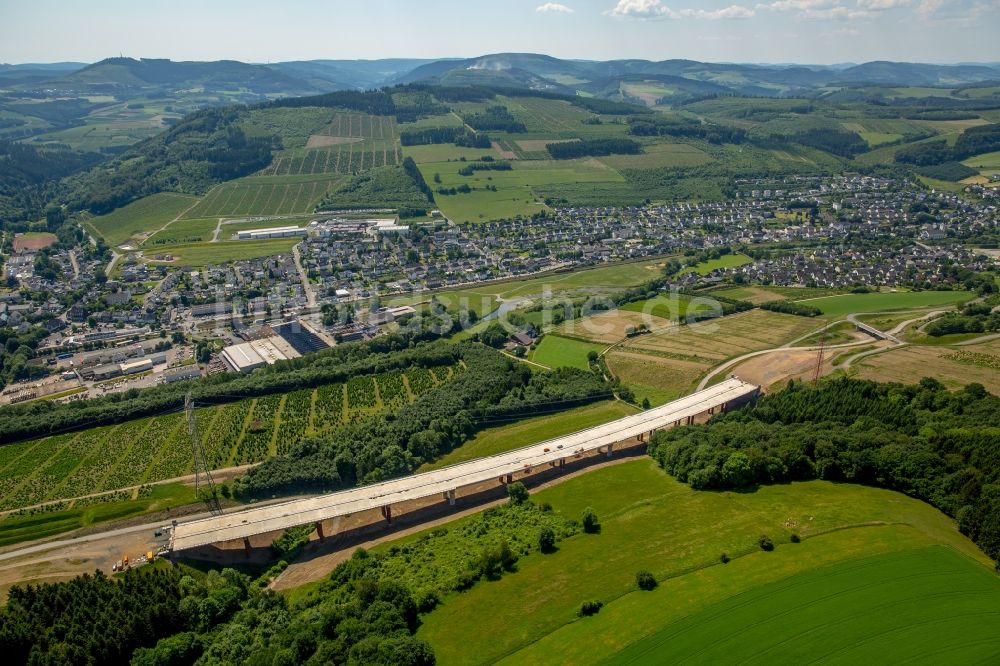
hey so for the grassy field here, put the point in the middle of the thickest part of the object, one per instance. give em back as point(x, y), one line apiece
point(610, 326)
point(654, 378)
point(586, 281)
point(183, 231)
point(157, 448)
point(140, 217)
point(442, 152)
point(755, 295)
point(556, 351)
point(660, 156)
point(715, 340)
point(509, 436)
point(17, 529)
point(264, 195)
point(651, 522)
point(920, 604)
point(840, 306)
point(201, 254)
point(514, 194)
point(672, 308)
point(725, 261)
point(953, 366)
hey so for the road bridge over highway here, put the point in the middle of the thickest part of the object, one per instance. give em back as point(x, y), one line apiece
point(446, 481)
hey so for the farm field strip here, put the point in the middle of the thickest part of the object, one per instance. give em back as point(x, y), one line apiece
point(157, 448)
point(261, 196)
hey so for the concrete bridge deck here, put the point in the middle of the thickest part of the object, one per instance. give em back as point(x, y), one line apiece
point(445, 481)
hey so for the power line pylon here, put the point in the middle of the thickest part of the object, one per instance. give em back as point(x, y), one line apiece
point(202, 473)
point(820, 357)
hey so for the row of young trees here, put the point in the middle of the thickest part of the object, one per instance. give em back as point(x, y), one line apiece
point(921, 439)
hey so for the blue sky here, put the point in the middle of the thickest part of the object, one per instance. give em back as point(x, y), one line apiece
point(804, 31)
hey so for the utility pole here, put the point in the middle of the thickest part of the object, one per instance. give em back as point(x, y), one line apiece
point(202, 474)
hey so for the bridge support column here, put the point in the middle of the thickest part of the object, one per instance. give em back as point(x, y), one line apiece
point(640, 437)
point(611, 447)
point(246, 545)
point(690, 420)
point(677, 423)
point(319, 531)
point(724, 408)
point(562, 462)
point(387, 513)
point(509, 478)
point(451, 497)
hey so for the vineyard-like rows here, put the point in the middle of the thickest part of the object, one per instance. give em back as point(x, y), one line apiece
point(260, 197)
point(346, 158)
point(157, 448)
point(356, 142)
point(361, 125)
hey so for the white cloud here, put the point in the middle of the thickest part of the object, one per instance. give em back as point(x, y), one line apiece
point(730, 12)
point(655, 9)
point(882, 5)
point(641, 9)
point(554, 7)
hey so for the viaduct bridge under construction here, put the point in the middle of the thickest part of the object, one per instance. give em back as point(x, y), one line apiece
point(445, 482)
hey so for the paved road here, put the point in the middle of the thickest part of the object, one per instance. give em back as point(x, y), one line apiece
point(310, 294)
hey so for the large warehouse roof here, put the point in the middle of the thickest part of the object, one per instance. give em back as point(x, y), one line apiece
point(277, 517)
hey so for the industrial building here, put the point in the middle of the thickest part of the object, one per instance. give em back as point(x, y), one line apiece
point(178, 374)
point(288, 340)
point(388, 227)
point(138, 365)
point(273, 232)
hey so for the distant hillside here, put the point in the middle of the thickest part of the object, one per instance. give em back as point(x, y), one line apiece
point(542, 72)
point(224, 75)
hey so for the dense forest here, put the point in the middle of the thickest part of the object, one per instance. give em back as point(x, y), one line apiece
point(386, 446)
point(922, 440)
point(566, 150)
point(28, 176)
point(974, 140)
point(494, 119)
point(205, 148)
point(971, 318)
point(92, 619)
point(157, 617)
point(459, 136)
point(685, 127)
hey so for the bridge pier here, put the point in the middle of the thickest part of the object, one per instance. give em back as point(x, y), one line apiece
point(387, 513)
point(562, 462)
point(509, 478)
point(450, 496)
point(319, 531)
point(246, 545)
point(611, 447)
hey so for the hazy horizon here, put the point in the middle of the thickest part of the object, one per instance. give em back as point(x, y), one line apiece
point(817, 32)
